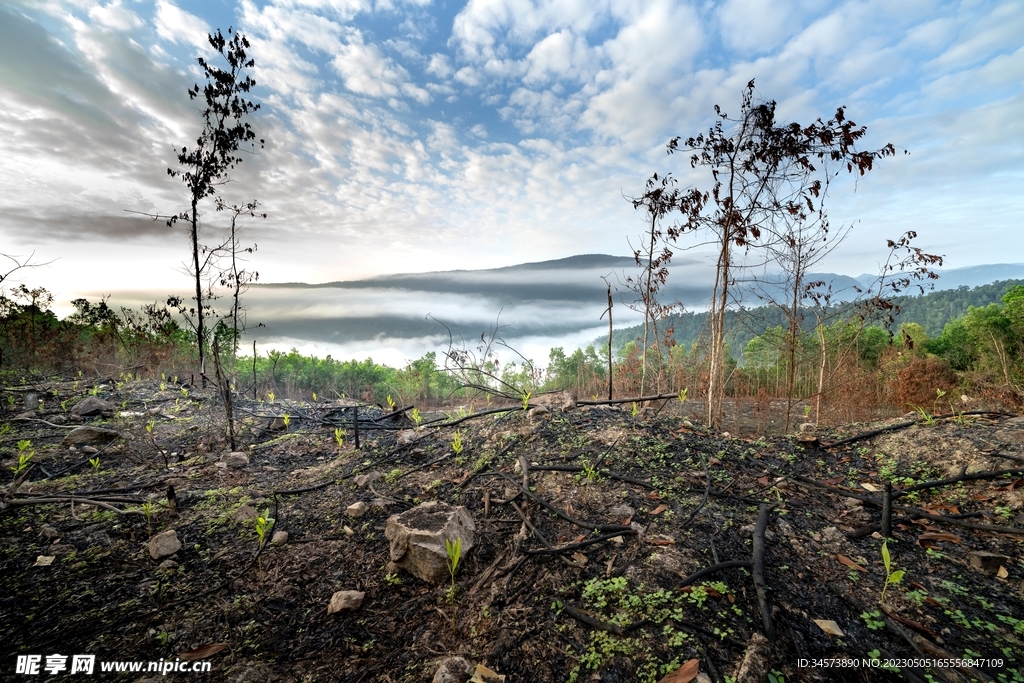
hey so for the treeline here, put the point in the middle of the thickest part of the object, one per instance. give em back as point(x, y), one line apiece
point(931, 311)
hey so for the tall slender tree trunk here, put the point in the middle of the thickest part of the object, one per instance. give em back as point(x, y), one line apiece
point(200, 330)
point(716, 379)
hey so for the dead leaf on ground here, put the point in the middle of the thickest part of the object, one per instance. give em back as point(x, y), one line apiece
point(484, 675)
point(939, 536)
point(684, 674)
point(843, 559)
point(580, 558)
point(654, 495)
point(869, 487)
point(44, 560)
point(662, 540)
point(658, 510)
point(203, 651)
point(830, 627)
point(834, 480)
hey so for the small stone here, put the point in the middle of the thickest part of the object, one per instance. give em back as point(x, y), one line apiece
point(164, 544)
point(345, 600)
point(49, 532)
point(536, 411)
point(453, 670)
point(235, 459)
point(348, 530)
point(381, 504)
point(808, 427)
point(90, 450)
point(364, 480)
point(726, 435)
point(832, 534)
point(168, 564)
point(408, 436)
point(986, 562)
point(620, 513)
point(87, 435)
point(245, 513)
point(357, 509)
point(279, 538)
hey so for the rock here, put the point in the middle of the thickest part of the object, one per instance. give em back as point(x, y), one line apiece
point(235, 459)
point(808, 427)
point(621, 512)
point(748, 532)
point(245, 513)
point(453, 670)
point(703, 678)
point(357, 509)
point(381, 504)
point(27, 415)
point(167, 565)
point(986, 562)
point(418, 538)
point(91, 406)
point(833, 534)
point(408, 436)
point(87, 435)
point(1009, 436)
point(49, 532)
point(279, 538)
point(539, 410)
point(90, 450)
point(345, 600)
point(364, 480)
point(562, 400)
point(164, 544)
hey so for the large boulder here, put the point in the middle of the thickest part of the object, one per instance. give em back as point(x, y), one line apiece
point(418, 538)
point(90, 406)
point(563, 400)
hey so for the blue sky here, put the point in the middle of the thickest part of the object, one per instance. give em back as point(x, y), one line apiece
point(415, 136)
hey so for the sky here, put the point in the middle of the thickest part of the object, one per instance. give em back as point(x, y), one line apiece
point(420, 135)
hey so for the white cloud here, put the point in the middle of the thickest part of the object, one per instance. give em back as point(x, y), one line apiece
point(178, 26)
point(115, 16)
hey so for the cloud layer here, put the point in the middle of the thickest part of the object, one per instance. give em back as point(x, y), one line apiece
point(408, 136)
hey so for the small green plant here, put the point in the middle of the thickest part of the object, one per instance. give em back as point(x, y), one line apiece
point(163, 386)
point(526, 400)
point(392, 476)
point(264, 523)
point(457, 444)
point(393, 579)
point(391, 404)
point(775, 676)
point(149, 510)
point(270, 396)
point(454, 552)
point(417, 419)
point(314, 397)
point(807, 411)
point(95, 390)
point(287, 420)
point(873, 620)
point(339, 437)
point(95, 462)
point(25, 455)
point(924, 416)
point(939, 393)
point(184, 392)
point(149, 427)
point(682, 395)
point(891, 577)
point(635, 410)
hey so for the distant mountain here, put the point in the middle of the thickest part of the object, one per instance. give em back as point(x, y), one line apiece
point(971, 276)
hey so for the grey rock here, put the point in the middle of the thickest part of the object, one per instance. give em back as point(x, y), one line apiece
point(453, 670)
point(167, 565)
point(408, 436)
point(279, 538)
point(235, 459)
point(49, 532)
point(92, 406)
point(621, 512)
point(164, 544)
point(245, 513)
point(90, 450)
point(418, 538)
point(1009, 436)
point(833, 534)
point(364, 480)
point(808, 427)
point(563, 400)
point(345, 600)
point(88, 435)
point(539, 410)
point(357, 509)
point(381, 503)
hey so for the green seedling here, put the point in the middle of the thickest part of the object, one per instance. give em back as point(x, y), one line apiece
point(635, 410)
point(149, 510)
point(457, 444)
point(287, 420)
point(163, 386)
point(526, 400)
point(10, 400)
point(873, 620)
point(184, 392)
point(339, 437)
point(417, 419)
point(270, 396)
point(95, 390)
point(149, 427)
point(95, 462)
point(314, 397)
point(682, 395)
point(891, 577)
point(25, 455)
point(391, 404)
point(454, 552)
point(807, 411)
point(264, 523)
point(5, 428)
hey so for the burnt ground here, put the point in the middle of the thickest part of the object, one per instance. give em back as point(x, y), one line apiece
point(554, 600)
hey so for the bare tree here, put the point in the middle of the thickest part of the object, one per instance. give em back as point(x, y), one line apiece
point(761, 173)
point(234, 277)
point(205, 167)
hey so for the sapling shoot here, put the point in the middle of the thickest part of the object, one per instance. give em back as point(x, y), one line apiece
point(891, 577)
point(454, 552)
point(457, 444)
